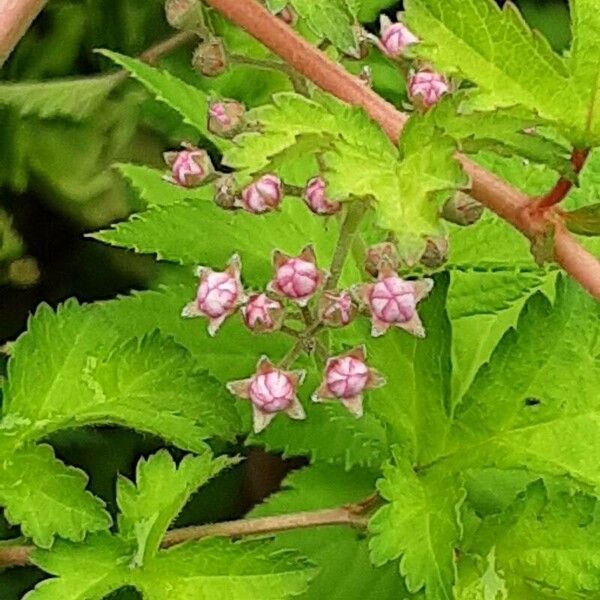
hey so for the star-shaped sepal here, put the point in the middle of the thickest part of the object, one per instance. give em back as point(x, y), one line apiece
point(346, 378)
point(271, 390)
point(392, 302)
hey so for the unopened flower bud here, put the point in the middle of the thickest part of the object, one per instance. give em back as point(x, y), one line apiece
point(346, 378)
point(210, 58)
point(316, 198)
point(189, 167)
point(218, 296)
point(226, 118)
point(462, 209)
point(262, 314)
point(426, 87)
point(380, 256)
point(336, 309)
point(262, 195)
point(225, 192)
point(271, 391)
point(288, 15)
point(395, 37)
point(392, 301)
point(296, 278)
point(185, 14)
point(436, 252)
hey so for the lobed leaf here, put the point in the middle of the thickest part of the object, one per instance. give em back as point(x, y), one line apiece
point(161, 490)
point(47, 498)
point(420, 524)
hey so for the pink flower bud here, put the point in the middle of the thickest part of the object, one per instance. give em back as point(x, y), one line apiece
point(263, 195)
point(226, 118)
point(395, 37)
point(296, 278)
point(271, 390)
point(346, 378)
point(392, 301)
point(316, 199)
point(462, 209)
point(210, 58)
point(426, 87)
point(380, 256)
point(336, 310)
point(189, 167)
point(262, 314)
point(219, 294)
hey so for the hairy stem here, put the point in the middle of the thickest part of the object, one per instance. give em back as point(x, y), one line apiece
point(352, 515)
point(488, 189)
point(348, 231)
point(15, 18)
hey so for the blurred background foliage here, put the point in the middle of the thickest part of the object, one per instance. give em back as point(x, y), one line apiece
point(57, 181)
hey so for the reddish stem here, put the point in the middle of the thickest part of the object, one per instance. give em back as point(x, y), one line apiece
point(563, 186)
point(15, 18)
point(508, 202)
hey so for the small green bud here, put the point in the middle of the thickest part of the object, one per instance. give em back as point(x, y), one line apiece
point(462, 209)
point(185, 15)
point(210, 58)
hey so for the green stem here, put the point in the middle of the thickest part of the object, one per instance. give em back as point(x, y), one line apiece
point(348, 231)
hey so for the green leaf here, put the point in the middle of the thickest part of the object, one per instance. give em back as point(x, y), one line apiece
point(216, 569)
point(584, 221)
point(550, 368)
point(426, 176)
point(341, 553)
point(155, 191)
point(368, 10)
point(155, 385)
point(75, 99)
point(420, 524)
point(225, 356)
point(161, 490)
point(492, 276)
point(413, 403)
point(330, 19)
point(47, 498)
point(490, 47)
point(172, 232)
point(545, 542)
point(329, 434)
point(88, 571)
point(190, 102)
point(507, 131)
point(583, 63)
point(82, 379)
